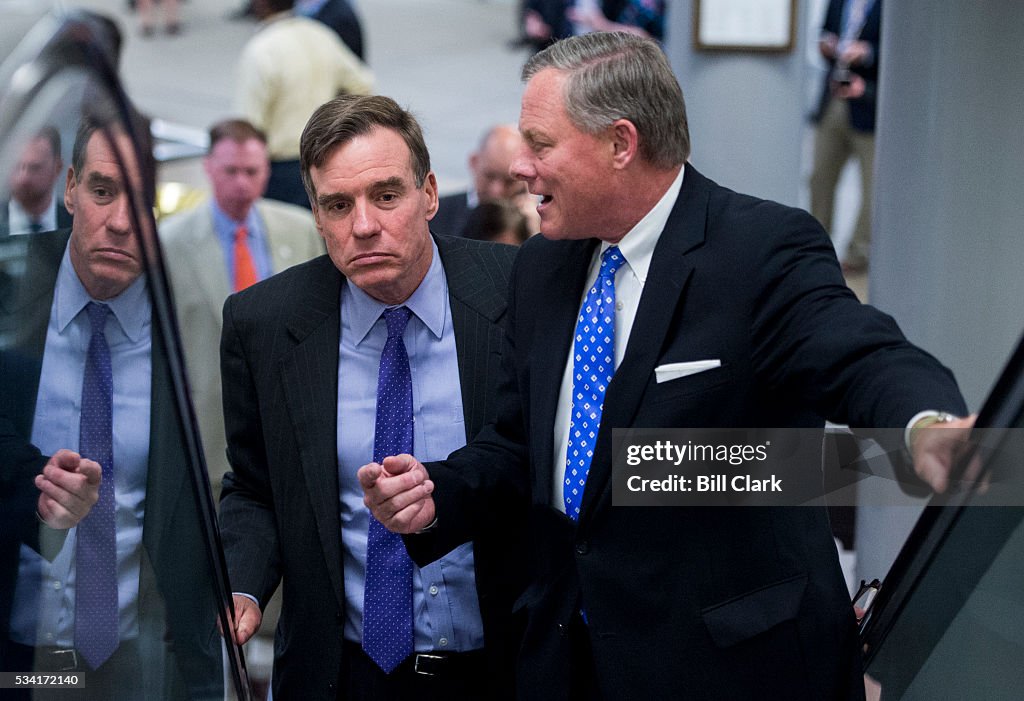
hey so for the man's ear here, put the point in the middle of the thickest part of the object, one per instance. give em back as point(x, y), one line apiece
point(69, 186)
point(625, 142)
point(430, 190)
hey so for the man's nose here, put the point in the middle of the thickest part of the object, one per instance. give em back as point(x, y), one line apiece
point(522, 166)
point(120, 219)
point(364, 220)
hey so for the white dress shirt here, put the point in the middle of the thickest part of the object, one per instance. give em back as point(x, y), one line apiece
point(637, 247)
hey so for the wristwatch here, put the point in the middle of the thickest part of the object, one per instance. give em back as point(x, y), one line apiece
point(929, 419)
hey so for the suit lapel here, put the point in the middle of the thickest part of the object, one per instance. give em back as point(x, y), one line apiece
point(309, 377)
point(555, 328)
point(666, 279)
point(210, 266)
point(281, 240)
point(476, 305)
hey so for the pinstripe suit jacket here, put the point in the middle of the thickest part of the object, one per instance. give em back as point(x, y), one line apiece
point(280, 504)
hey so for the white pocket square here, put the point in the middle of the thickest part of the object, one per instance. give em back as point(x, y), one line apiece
point(673, 371)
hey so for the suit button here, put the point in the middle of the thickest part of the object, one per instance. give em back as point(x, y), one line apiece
point(582, 547)
point(563, 630)
point(339, 618)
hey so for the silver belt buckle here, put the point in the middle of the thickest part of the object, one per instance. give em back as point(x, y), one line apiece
point(65, 660)
point(424, 656)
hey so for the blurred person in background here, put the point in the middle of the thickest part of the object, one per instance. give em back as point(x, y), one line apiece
point(289, 68)
point(644, 18)
point(33, 207)
point(489, 166)
point(501, 222)
point(340, 16)
point(846, 117)
point(236, 239)
point(546, 21)
point(147, 16)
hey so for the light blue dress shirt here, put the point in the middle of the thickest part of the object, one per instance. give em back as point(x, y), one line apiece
point(44, 603)
point(225, 227)
point(445, 607)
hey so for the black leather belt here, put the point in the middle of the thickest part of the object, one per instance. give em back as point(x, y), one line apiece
point(435, 663)
point(58, 659)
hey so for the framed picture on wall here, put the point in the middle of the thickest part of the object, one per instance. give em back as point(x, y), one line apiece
point(744, 25)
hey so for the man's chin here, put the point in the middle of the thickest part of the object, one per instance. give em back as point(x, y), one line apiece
point(558, 234)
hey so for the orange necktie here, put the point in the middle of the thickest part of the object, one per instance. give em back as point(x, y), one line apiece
point(245, 267)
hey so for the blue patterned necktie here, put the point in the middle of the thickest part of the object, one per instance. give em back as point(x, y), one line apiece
point(593, 354)
point(387, 599)
point(96, 610)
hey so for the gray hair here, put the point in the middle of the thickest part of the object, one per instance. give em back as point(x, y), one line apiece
point(615, 75)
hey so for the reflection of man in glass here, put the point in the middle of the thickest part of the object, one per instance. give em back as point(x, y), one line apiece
point(89, 595)
point(32, 207)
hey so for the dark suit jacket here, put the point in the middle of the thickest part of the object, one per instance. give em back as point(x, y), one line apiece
point(340, 16)
point(694, 603)
point(552, 12)
point(178, 635)
point(279, 507)
point(452, 215)
point(862, 110)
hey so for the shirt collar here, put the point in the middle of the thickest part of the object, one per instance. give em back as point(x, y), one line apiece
point(429, 302)
point(224, 224)
point(131, 308)
point(637, 246)
point(20, 220)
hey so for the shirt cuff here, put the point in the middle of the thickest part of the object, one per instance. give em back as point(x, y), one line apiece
point(429, 527)
point(939, 416)
point(247, 596)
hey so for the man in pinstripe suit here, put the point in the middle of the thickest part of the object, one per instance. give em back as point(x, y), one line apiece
point(300, 355)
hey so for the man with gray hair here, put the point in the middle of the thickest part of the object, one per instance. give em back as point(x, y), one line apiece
point(668, 301)
point(388, 343)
